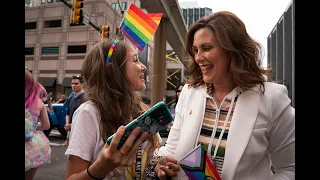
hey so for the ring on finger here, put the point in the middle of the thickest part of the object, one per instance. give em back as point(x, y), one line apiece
point(122, 152)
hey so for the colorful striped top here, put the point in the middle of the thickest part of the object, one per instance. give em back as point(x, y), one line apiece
point(213, 111)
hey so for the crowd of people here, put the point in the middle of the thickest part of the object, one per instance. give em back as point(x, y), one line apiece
point(245, 124)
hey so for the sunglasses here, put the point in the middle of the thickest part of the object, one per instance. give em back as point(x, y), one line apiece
point(178, 91)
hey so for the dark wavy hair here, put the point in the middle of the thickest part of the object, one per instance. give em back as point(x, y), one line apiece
point(231, 34)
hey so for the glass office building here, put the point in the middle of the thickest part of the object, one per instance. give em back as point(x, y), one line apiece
point(191, 15)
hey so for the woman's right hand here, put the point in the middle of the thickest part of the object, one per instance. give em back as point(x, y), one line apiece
point(126, 155)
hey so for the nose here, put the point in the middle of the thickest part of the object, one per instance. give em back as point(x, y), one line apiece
point(198, 57)
point(143, 68)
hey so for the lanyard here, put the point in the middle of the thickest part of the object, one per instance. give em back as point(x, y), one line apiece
point(215, 128)
point(138, 163)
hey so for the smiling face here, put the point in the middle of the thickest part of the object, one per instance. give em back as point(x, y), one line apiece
point(135, 70)
point(213, 60)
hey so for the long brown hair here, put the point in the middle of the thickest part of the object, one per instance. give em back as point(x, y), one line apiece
point(108, 88)
point(246, 53)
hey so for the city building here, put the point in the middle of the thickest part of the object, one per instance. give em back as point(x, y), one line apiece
point(281, 46)
point(55, 49)
point(192, 12)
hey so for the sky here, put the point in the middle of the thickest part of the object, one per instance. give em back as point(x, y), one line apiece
point(259, 16)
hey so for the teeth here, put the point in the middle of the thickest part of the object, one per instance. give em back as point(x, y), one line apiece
point(206, 67)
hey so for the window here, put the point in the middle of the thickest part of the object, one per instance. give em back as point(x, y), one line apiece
point(202, 12)
point(52, 24)
point(196, 14)
point(77, 49)
point(50, 1)
point(208, 11)
point(28, 51)
point(115, 6)
point(124, 6)
point(43, 1)
point(141, 6)
point(30, 25)
point(50, 50)
point(190, 18)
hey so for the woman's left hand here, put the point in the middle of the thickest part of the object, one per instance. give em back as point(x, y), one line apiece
point(167, 166)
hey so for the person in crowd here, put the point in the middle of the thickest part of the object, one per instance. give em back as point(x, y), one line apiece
point(173, 105)
point(244, 123)
point(37, 148)
point(112, 74)
point(74, 101)
point(48, 98)
point(62, 99)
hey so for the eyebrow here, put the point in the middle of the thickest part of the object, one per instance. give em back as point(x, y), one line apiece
point(204, 44)
point(135, 55)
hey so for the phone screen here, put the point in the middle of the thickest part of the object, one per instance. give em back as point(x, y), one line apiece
point(152, 121)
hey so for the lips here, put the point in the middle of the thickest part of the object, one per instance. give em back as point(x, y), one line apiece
point(206, 68)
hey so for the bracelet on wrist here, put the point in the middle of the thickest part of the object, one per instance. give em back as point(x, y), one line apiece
point(93, 176)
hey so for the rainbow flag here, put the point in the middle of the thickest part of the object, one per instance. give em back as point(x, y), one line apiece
point(197, 165)
point(138, 26)
point(156, 17)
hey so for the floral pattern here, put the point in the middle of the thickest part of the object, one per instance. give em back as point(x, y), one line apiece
point(37, 148)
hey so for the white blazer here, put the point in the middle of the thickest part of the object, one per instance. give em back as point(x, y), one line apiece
point(262, 132)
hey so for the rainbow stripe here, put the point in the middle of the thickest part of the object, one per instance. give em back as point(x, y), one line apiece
point(156, 17)
point(197, 165)
point(139, 27)
point(113, 45)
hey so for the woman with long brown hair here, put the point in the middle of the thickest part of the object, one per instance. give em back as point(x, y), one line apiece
point(112, 73)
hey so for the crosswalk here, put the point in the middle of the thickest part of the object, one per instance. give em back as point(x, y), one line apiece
point(55, 144)
point(55, 138)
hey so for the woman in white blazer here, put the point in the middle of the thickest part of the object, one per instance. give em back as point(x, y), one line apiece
point(226, 103)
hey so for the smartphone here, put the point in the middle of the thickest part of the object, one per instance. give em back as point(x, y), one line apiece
point(152, 121)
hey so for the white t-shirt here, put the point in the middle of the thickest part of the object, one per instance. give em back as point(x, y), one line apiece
point(85, 139)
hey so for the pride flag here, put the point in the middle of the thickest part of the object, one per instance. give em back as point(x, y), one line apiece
point(138, 26)
point(197, 165)
point(156, 17)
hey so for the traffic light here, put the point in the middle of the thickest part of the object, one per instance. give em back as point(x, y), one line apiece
point(77, 12)
point(104, 31)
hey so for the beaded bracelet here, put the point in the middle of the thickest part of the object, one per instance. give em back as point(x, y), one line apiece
point(151, 165)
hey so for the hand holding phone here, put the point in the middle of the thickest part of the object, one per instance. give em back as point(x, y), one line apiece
point(152, 121)
point(111, 158)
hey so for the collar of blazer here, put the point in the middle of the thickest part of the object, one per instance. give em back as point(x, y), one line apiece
point(245, 92)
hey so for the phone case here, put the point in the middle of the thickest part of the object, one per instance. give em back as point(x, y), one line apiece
point(152, 121)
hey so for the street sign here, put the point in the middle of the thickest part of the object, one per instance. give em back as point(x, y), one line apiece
point(86, 18)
